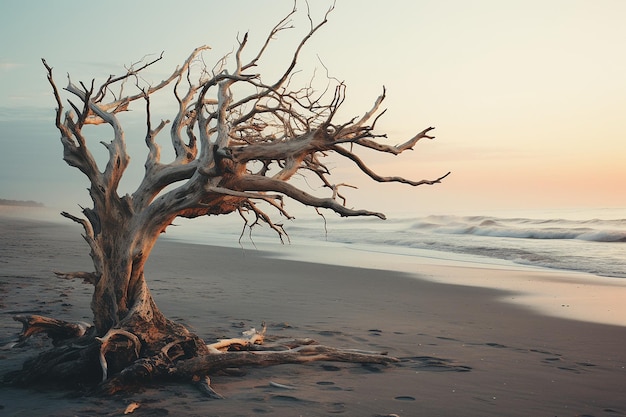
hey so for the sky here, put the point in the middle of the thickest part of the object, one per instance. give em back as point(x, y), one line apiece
point(528, 97)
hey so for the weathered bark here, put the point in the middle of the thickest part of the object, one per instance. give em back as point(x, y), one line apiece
point(233, 153)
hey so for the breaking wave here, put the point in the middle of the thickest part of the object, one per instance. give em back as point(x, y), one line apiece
point(588, 245)
point(595, 230)
point(592, 245)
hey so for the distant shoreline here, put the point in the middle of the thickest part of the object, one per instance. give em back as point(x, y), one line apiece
point(20, 203)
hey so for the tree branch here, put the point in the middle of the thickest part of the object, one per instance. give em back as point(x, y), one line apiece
point(87, 277)
point(379, 178)
point(397, 149)
point(239, 149)
point(304, 354)
point(257, 183)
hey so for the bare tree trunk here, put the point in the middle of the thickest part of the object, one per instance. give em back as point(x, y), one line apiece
point(120, 288)
point(128, 325)
point(122, 301)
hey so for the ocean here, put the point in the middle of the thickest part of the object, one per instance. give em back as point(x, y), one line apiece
point(584, 240)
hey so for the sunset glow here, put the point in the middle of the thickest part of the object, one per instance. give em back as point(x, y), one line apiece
point(527, 97)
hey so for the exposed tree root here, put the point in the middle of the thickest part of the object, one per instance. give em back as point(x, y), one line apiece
point(80, 358)
point(106, 345)
point(204, 385)
point(57, 330)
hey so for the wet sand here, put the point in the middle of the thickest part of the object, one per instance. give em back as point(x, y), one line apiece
point(464, 350)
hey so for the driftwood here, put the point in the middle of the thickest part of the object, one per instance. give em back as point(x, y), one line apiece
point(239, 141)
point(72, 352)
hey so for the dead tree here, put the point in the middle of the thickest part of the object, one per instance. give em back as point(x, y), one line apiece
point(238, 142)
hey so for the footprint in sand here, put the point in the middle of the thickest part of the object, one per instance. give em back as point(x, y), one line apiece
point(329, 386)
point(496, 345)
point(291, 399)
point(404, 398)
point(329, 333)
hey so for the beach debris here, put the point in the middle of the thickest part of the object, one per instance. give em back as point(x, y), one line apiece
point(250, 337)
point(281, 386)
point(131, 407)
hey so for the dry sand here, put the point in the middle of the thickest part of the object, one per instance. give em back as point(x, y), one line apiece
point(465, 351)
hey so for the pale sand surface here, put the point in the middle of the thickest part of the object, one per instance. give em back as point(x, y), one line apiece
point(565, 294)
point(467, 351)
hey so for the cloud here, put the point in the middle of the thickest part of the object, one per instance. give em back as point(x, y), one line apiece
point(6, 66)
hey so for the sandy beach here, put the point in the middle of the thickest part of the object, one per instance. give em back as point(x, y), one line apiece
point(465, 350)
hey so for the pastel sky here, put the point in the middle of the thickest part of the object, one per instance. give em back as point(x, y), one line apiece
point(528, 97)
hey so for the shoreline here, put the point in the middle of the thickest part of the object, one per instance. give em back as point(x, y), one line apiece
point(465, 350)
point(554, 292)
point(559, 293)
